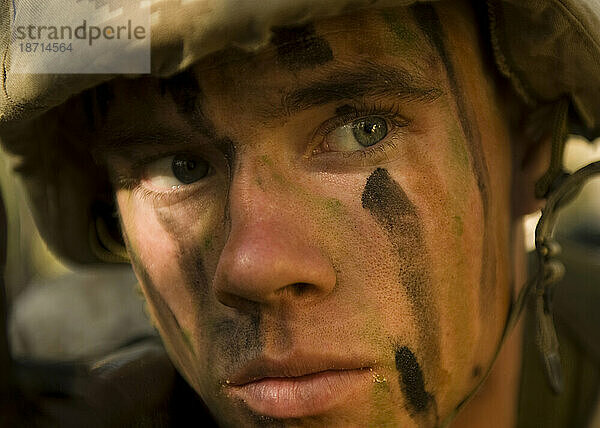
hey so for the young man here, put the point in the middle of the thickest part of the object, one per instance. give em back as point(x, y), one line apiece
point(326, 229)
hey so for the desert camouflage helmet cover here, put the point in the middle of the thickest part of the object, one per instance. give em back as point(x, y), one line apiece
point(549, 49)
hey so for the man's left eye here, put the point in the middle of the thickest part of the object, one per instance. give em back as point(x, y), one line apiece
point(355, 136)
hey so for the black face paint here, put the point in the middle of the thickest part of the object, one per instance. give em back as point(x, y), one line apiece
point(184, 89)
point(192, 266)
point(299, 47)
point(411, 381)
point(266, 422)
point(431, 26)
point(187, 95)
point(164, 315)
point(477, 371)
point(397, 215)
point(234, 337)
point(233, 340)
point(228, 148)
point(236, 341)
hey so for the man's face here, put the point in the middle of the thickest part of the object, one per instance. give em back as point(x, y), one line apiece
point(322, 229)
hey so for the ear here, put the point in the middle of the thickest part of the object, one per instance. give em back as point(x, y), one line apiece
point(531, 160)
point(105, 237)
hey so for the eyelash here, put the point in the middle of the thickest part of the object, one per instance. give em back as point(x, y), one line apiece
point(132, 182)
point(390, 112)
point(169, 196)
point(134, 185)
point(156, 197)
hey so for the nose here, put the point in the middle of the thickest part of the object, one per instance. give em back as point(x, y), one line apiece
point(268, 256)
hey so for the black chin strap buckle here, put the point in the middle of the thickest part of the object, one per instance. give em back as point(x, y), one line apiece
point(550, 270)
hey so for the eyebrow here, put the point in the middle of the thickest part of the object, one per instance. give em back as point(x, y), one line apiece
point(131, 136)
point(345, 83)
point(153, 133)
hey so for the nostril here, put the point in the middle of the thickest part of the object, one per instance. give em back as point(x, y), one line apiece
point(237, 302)
point(299, 289)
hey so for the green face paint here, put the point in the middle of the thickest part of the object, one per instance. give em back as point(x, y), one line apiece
point(208, 243)
point(402, 39)
point(397, 24)
point(430, 25)
point(334, 207)
point(187, 336)
point(458, 226)
point(329, 208)
point(382, 413)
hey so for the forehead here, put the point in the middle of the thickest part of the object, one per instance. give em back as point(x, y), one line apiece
point(360, 35)
point(326, 48)
point(373, 40)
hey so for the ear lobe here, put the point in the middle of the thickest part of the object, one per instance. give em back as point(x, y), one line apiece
point(531, 161)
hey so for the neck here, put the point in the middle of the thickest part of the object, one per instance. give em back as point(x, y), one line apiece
point(495, 405)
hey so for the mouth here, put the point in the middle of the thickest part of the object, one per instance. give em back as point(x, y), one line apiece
point(298, 387)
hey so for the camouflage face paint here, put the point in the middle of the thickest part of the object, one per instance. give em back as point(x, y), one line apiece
point(411, 381)
point(184, 89)
point(404, 39)
point(187, 96)
point(396, 214)
point(165, 316)
point(237, 340)
point(299, 47)
point(234, 340)
point(431, 26)
point(266, 422)
point(383, 412)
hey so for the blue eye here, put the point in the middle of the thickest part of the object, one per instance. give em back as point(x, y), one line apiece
point(369, 131)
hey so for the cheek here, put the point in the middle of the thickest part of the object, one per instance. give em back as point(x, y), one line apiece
point(444, 187)
point(156, 251)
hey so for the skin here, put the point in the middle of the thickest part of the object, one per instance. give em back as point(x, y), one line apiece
point(300, 47)
point(299, 240)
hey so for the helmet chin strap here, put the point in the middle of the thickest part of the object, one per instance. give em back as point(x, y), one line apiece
point(558, 188)
point(549, 272)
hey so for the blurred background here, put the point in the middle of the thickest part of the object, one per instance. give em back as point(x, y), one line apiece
point(56, 311)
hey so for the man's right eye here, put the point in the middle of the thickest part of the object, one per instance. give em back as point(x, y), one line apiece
point(171, 172)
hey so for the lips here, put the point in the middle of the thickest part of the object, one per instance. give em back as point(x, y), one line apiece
point(298, 386)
